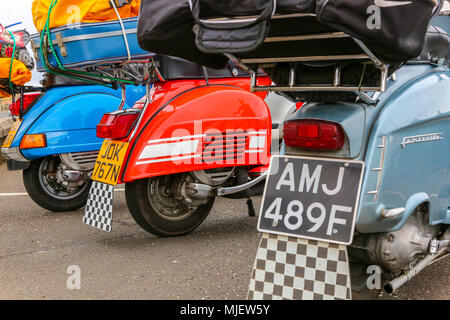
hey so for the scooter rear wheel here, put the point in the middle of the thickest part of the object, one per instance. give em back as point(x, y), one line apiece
point(154, 208)
point(48, 194)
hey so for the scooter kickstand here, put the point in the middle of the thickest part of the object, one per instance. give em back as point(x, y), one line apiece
point(251, 208)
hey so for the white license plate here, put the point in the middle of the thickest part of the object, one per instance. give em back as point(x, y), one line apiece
point(312, 198)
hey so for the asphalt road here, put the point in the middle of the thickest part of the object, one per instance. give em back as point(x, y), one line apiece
point(214, 262)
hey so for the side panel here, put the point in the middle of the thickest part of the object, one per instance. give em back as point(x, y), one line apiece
point(69, 116)
point(408, 155)
point(201, 127)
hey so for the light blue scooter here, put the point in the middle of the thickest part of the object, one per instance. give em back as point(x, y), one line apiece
point(398, 139)
point(56, 176)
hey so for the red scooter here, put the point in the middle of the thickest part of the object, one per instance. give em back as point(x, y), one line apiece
point(198, 134)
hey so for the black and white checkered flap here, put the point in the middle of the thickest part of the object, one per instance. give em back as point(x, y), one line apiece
point(99, 207)
point(299, 269)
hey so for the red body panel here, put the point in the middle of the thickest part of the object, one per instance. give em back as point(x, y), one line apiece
point(192, 126)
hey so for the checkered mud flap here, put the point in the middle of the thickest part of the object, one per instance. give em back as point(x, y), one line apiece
point(99, 207)
point(298, 269)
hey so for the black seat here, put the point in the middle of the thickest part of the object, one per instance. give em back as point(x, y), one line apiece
point(173, 68)
point(437, 46)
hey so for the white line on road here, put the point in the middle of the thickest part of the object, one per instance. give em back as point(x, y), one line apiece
point(25, 194)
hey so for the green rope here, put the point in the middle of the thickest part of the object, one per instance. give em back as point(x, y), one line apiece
point(43, 48)
point(68, 72)
point(11, 86)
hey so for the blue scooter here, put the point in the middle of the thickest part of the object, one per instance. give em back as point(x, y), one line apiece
point(63, 118)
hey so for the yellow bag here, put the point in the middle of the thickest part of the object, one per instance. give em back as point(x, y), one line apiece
point(75, 11)
point(20, 75)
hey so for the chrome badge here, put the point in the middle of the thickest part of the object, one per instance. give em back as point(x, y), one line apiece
point(422, 138)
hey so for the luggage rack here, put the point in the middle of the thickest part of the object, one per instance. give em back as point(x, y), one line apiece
point(365, 56)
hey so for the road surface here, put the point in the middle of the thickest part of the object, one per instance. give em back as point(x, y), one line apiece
point(214, 262)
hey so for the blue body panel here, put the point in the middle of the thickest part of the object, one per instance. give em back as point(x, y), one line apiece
point(417, 103)
point(92, 43)
point(69, 116)
point(414, 173)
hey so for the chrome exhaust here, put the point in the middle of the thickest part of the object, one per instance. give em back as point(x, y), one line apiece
point(232, 190)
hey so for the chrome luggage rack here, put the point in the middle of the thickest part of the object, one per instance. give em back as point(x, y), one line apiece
point(366, 56)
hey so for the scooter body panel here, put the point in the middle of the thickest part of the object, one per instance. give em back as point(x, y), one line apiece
point(414, 127)
point(401, 171)
point(191, 126)
point(69, 115)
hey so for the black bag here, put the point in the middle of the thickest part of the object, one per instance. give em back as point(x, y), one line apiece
point(166, 27)
point(239, 36)
point(398, 34)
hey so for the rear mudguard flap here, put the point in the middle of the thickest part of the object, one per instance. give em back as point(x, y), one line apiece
point(184, 129)
point(69, 116)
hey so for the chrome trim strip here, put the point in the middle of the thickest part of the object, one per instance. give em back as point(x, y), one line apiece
point(13, 154)
point(375, 193)
point(307, 58)
point(392, 213)
point(333, 35)
point(313, 88)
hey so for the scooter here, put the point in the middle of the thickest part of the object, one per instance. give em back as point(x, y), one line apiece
point(198, 134)
point(372, 174)
point(55, 144)
point(365, 164)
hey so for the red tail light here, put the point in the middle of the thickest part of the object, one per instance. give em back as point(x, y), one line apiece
point(28, 99)
point(117, 125)
point(313, 134)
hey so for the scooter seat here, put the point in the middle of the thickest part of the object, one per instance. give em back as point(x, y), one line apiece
point(173, 68)
point(437, 46)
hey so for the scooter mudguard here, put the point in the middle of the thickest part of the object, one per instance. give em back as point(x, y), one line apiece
point(69, 116)
point(404, 141)
point(192, 126)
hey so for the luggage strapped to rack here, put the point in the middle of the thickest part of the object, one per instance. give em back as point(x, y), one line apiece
point(95, 73)
point(310, 48)
point(252, 63)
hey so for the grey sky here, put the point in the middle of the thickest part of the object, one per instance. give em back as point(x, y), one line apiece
point(12, 11)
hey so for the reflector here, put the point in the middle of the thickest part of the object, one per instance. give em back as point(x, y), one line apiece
point(33, 141)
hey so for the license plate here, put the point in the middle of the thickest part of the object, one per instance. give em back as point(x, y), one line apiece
point(12, 134)
point(312, 198)
point(109, 162)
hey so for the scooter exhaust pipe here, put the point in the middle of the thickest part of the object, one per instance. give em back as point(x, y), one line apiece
point(394, 285)
point(232, 190)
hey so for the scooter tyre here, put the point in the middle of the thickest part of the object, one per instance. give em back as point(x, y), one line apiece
point(147, 218)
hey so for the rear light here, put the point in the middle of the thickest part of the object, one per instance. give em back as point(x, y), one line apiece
point(117, 125)
point(313, 134)
point(299, 105)
point(33, 141)
point(28, 99)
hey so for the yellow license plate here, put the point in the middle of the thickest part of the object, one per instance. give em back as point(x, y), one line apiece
point(12, 134)
point(109, 162)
